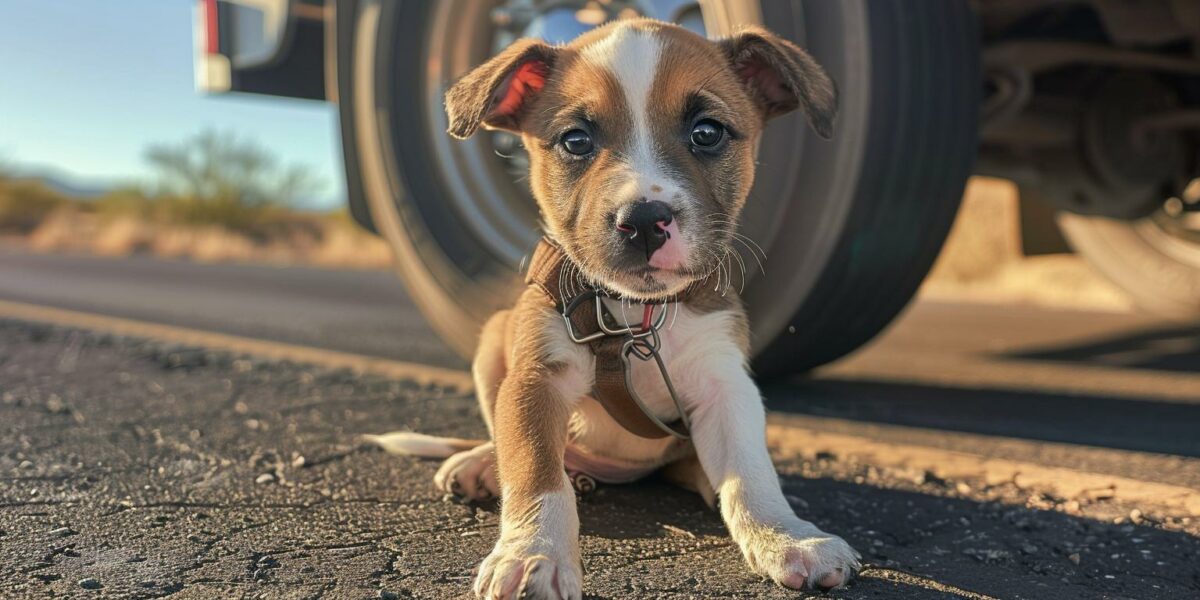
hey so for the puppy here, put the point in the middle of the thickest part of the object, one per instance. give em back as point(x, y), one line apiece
point(641, 138)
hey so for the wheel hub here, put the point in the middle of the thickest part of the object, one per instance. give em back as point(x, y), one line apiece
point(1122, 154)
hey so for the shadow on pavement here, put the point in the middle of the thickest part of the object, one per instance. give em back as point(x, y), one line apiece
point(919, 542)
point(1141, 425)
point(1165, 349)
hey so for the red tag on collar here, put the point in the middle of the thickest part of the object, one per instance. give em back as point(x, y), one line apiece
point(647, 313)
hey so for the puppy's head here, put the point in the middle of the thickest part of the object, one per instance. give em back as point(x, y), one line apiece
point(641, 139)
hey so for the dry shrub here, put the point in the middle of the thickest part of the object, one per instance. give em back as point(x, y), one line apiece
point(349, 246)
point(122, 236)
point(217, 197)
point(216, 244)
point(67, 228)
point(24, 204)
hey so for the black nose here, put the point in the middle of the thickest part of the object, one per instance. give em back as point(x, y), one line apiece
point(645, 225)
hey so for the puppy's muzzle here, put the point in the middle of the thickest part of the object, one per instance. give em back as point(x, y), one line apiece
point(645, 224)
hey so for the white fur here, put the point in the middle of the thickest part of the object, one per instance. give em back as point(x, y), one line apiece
point(592, 428)
point(729, 433)
point(410, 443)
point(537, 553)
point(728, 422)
point(632, 57)
point(470, 474)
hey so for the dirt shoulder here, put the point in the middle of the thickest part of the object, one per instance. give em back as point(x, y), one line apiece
point(323, 240)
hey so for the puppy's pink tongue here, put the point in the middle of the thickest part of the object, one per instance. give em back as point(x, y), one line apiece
point(672, 255)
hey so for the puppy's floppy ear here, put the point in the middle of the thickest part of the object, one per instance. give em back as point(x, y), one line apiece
point(497, 92)
point(782, 77)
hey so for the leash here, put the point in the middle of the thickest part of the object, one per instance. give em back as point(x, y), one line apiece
point(614, 345)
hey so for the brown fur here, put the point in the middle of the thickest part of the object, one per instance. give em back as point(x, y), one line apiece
point(741, 83)
point(513, 361)
point(782, 77)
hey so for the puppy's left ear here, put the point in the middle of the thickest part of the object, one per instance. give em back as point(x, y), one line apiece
point(497, 93)
point(782, 77)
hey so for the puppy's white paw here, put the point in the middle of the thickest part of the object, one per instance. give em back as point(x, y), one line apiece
point(514, 570)
point(470, 474)
point(800, 556)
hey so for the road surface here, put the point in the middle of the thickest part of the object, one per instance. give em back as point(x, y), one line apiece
point(974, 451)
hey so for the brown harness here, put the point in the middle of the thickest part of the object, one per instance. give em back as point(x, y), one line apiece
point(589, 322)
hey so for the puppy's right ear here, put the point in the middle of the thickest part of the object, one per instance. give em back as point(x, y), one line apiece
point(497, 93)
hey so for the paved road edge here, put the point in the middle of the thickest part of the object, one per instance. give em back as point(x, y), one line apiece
point(423, 374)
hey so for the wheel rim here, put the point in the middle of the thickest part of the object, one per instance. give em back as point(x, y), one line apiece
point(1174, 229)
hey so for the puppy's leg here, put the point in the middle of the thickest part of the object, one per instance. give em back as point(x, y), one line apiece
point(489, 366)
point(689, 475)
point(537, 555)
point(729, 432)
point(472, 474)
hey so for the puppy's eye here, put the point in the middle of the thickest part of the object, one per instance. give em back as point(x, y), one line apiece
point(577, 142)
point(707, 133)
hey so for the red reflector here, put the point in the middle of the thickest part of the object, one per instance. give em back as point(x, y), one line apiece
point(212, 34)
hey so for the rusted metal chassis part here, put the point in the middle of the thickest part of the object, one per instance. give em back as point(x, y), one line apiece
point(1019, 130)
point(1011, 66)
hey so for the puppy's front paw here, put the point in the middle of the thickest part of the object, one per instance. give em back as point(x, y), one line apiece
point(514, 570)
point(470, 474)
point(800, 556)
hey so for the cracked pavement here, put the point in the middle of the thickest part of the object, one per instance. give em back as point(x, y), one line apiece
point(138, 469)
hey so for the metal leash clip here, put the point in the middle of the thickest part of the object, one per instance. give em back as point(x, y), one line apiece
point(646, 348)
point(641, 341)
point(606, 330)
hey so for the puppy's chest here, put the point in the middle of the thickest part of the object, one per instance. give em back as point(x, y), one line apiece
point(682, 333)
point(688, 340)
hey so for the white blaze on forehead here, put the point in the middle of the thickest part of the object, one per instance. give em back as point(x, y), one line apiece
point(631, 56)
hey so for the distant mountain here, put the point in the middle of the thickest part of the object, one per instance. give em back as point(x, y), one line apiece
point(67, 185)
point(83, 188)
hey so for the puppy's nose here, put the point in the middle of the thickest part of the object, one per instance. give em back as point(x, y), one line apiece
point(645, 225)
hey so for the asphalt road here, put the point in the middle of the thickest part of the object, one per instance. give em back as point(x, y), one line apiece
point(132, 468)
point(365, 312)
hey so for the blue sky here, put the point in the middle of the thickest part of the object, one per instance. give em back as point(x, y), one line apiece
point(86, 85)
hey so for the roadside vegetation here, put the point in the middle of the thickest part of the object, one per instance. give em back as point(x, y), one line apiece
point(214, 197)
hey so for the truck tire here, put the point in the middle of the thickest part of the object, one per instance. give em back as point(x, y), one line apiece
point(850, 226)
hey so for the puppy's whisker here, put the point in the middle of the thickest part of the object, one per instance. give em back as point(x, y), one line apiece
point(737, 257)
point(717, 288)
point(761, 268)
point(750, 244)
point(728, 273)
point(730, 228)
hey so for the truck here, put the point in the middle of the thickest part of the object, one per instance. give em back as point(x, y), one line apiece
point(1092, 107)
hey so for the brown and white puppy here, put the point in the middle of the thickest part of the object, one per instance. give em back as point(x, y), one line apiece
point(641, 138)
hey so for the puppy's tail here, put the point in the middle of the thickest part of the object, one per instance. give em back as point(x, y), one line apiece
point(409, 443)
